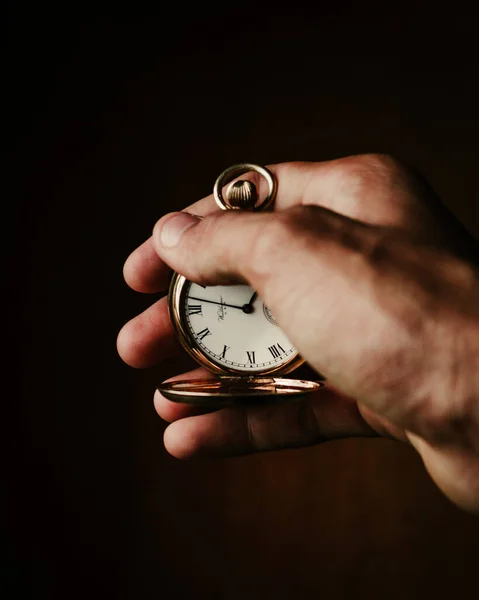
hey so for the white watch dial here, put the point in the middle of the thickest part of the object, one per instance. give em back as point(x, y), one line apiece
point(234, 328)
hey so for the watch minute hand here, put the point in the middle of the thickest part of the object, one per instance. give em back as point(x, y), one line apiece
point(213, 302)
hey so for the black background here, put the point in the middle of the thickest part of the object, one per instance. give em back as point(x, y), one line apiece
point(114, 119)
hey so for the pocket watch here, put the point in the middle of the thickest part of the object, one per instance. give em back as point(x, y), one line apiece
point(229, 329)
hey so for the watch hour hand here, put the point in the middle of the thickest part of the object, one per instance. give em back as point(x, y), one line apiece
point(248, 308)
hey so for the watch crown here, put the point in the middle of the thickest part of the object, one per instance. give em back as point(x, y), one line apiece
point(242, 194)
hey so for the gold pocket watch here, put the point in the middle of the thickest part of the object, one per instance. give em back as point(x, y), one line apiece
point(229, 329)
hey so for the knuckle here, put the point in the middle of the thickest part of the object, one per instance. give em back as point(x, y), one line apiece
point(372, 170)
point(383, 164)
point(395, 189)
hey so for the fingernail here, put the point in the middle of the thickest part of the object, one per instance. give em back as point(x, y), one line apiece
point(174, 227)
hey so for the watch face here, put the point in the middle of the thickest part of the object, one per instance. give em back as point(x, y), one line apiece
point(233, 328)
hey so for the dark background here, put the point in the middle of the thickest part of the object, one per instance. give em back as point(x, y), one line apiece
point(115, 120)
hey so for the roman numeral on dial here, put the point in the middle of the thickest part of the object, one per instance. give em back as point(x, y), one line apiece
point(225, 349)
point(203, 333)
point(276, 350)
point(195, 309)
point(251, 357)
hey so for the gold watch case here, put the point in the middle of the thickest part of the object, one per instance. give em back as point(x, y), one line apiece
point(232, 386)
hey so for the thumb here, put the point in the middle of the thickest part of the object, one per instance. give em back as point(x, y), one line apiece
point(254, 248)
point(297, 260)
point(213, 250)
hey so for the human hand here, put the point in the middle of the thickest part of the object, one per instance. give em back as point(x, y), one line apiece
point(375, 284)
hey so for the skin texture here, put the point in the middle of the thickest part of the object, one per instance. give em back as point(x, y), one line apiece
point(375, 283)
